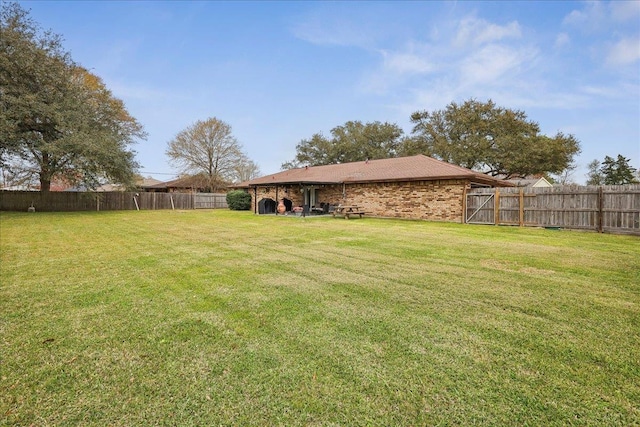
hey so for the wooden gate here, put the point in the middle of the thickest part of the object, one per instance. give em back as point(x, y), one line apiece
point(209, 201)
point(480, 208)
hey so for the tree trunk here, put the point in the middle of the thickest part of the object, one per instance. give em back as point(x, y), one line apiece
point(45, 184)
point(45, 175)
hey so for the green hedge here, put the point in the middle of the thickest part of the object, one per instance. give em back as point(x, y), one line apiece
point(239, 200)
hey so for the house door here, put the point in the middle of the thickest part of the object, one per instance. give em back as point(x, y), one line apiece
point(310, 196)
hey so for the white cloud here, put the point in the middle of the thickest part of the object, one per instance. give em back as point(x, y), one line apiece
point(623, 11)
point(601, 91)
point(436, 96)
point(562, 40)
point(475, 52)
point(492, 62)
point(575, 17)
point(336, 25)
point(473, 31)
point(592, 17)
point(541, 97)
point(600, 16)
point(414, 59)
point(407, 63)
point(611, 30)
point(624, 52)
point(338, 32)
point(476, 58)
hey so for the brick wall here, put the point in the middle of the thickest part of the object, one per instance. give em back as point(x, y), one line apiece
point(296, 197)
point(430, 200)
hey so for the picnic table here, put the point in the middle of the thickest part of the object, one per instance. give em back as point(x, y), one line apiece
point(348, 210)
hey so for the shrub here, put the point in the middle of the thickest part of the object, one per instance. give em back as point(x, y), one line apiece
point(239, 200)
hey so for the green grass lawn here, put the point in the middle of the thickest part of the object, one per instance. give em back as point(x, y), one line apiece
point(227, 318)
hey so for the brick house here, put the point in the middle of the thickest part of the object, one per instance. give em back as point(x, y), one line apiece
point(416, 187)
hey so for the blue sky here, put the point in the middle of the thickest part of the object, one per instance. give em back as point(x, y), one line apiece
point(278, 72)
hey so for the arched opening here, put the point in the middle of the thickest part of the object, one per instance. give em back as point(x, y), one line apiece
point(267, 206)
point(288, 204)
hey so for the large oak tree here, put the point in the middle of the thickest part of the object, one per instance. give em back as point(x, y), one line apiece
point(351, 142)
point(57, 120)
point(495, 140)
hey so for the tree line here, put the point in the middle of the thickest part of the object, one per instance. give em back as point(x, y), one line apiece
point(476, 135)
point(612, 171)
point(60, 121)
point(482, 136)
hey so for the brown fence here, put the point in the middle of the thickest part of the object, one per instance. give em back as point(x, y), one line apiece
point(609, 208)
point(107, 201)
point(210, 201)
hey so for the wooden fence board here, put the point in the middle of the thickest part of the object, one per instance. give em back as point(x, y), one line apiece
point(613, 209)
point(210, 201)
point(107, 201)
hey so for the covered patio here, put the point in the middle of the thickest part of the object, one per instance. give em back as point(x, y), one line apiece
point(302, 198)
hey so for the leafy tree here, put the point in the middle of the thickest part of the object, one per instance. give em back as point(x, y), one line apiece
point(496, 140)
point(618, 171)
point(612, 172)
point(209, 148)
point(351, 142)
point(594, 174)
point(57, 120)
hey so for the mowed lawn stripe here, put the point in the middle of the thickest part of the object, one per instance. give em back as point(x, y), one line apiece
point(227, 318)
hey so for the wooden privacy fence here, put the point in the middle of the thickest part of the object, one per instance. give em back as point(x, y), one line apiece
point(609, 208)
point(210, 201)
point(107, 201)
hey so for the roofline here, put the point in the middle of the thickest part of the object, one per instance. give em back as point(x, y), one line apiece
point(471, 177)
point(413, 179)
point(271, 184)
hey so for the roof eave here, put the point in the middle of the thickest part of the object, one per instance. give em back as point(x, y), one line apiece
point(470, 177)
point(291, 182)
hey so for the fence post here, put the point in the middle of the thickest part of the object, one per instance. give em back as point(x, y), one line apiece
point(600, 208)
point(464, 204)
point(496, 209)
point(521, 199)
point(255, 200)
